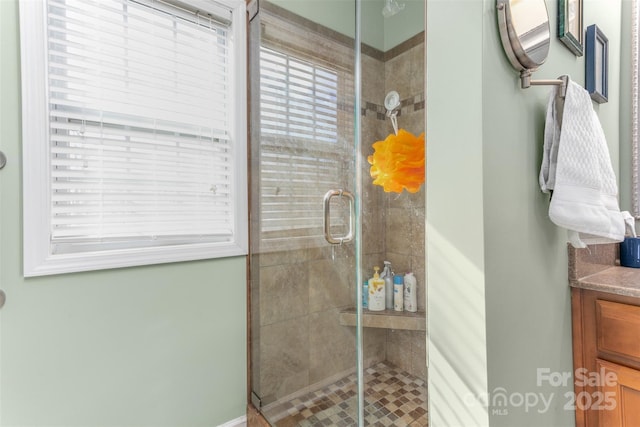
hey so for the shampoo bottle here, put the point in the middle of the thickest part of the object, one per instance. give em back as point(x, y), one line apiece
point(398, 293)
point(376, 291)
point(410, 297)
point(387, 275)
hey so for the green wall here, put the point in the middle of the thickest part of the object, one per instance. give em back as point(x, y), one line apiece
point(457, 350)
point(378, 32)
point(160, 345)
point(626, 174)
point(339, 15)
point(518, 280)
point(402, 26)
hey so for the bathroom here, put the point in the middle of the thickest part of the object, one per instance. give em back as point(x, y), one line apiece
point(166, 344)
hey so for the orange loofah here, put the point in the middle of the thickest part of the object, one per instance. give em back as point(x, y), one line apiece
point(398, 162)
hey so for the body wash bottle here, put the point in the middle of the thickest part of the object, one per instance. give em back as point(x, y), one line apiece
point(376, 291)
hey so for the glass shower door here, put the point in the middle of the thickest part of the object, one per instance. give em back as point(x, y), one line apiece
point(303, 358)
point(319, 225)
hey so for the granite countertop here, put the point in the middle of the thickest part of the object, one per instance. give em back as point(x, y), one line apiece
point(615, 280)
point(597, 268)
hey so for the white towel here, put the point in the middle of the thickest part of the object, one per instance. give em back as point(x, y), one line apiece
point(577, 167)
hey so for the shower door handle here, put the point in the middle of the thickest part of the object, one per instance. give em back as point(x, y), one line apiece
point(327, 216)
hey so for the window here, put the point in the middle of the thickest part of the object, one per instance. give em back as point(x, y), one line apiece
point(303, 146)
point(134, 135)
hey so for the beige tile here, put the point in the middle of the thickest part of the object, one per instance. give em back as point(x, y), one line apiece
point(332, 347)
point(419, 366)
point(399, 232)
point(268, 259)
point(419, 341)
point(374, 344)
point(401, 72)
point(413, 122)
point(398, 75)
point(284, 293)
point(419, 355)
point(373, 83)
point(331, 284)
point(399, 348)
point(284, 352)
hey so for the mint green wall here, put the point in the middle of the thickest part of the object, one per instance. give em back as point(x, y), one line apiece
point(457, 350)
point(492, 151)
point(625, 109)
point(339, 15)
point(160, 345)
point(404, 25)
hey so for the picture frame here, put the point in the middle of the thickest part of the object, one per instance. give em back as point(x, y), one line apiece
point(570, 26)
point(597, 64)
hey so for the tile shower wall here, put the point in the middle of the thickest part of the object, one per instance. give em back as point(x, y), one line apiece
point(402, 220)
point(297, 294)
point(405, 213)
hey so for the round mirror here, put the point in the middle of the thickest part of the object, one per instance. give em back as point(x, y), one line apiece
point(524, 31)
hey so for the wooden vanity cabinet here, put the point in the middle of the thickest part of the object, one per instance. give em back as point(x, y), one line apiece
point(606, 358)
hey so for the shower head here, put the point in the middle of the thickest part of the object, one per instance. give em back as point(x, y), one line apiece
point(391, 8)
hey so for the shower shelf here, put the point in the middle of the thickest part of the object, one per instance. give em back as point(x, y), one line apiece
point(388, 319)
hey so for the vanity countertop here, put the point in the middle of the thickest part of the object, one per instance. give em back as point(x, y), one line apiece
point(614, 280)
point(597, 268)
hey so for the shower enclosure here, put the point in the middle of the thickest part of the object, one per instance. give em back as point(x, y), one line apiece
point(319, 73)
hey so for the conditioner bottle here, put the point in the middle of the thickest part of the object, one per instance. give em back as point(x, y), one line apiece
point(410, 297)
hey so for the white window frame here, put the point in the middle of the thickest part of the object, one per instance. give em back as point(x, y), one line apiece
point(38, 259)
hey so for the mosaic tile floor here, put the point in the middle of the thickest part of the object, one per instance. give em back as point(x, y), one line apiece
point(393, 398)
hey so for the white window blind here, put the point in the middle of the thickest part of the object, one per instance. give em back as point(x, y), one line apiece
point(302, 150)
point(143, 144)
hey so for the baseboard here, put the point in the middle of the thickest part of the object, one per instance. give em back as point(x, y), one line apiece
point(240, 421)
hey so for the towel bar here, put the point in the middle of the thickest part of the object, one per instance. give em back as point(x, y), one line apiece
point(526, 82)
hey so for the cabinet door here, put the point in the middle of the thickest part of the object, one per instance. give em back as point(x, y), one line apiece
point(619, 389)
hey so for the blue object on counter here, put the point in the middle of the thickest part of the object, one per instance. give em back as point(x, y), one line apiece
point(630, 252)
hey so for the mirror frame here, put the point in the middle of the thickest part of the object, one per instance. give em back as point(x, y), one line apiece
point(517, 55)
